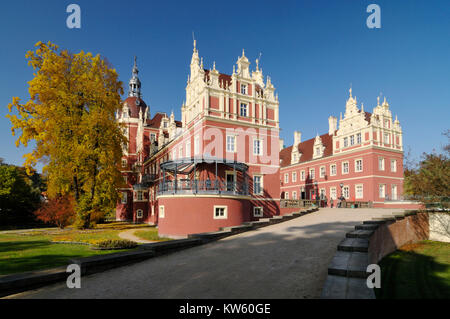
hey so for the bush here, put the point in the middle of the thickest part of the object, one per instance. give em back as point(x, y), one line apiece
point(59, 211)
point(115, 244)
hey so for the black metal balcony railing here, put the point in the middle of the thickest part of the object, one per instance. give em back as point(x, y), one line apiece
point(203, 187)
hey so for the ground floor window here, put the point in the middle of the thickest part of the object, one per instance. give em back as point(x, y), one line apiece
point(139, 213)
point(286, 195)
point(359, 191)
point(257, 211)
point(323, 193)
point(220, 212)
point(394, 192)
point(346, 192)
point(124, 198)
point(333, 194)
point(294, 195)
point(162, 212)
point(382, 191)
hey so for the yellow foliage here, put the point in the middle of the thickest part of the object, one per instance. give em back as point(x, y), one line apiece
point(71, 118)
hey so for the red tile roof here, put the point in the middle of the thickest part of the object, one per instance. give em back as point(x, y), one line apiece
point(306, 149)
point(134, 109)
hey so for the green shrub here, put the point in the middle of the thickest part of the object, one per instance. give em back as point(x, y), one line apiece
point(115, 244)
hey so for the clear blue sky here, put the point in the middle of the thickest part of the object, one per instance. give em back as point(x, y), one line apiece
point(312, 50)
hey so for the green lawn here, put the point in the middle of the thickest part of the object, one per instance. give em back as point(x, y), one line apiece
point(149, 234)
point(22, 251)
point(417, 271)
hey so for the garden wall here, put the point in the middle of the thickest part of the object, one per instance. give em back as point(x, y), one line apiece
point(440, 227)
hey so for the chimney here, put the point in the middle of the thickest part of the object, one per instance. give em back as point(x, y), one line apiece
point(281, 144)
point(332, 124)
point(297, 137)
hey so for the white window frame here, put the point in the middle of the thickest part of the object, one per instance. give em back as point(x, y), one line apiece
point(357, 195)
point(124, 162)
point(286, 195)
point(333, 190)
point(348, 190)
point(345, 141)
point(124, 198)
point(352, 140)
point(331, 170)
point(394, 186)
point(356, 165)
point(261, 185)
point(381, 163)
point(382, 187)
point(188, 149)
point(348, 168)
point(260, 209)
point(141, 193)
point(358, 138)
point(233, 150)
point(243, 107)
point(294, 195)
point(139, 213)
point(197, 145)
point(259, 148)
point(286, 178)
point(312, 173)
point(386, 138)
point(294, 177)
point(161, 211)
point(323, 170)
point(394, 165)
point(302, 175)
point(225, 212)
point(244, 89)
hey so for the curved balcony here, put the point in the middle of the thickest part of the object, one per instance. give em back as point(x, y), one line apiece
point(186, 186)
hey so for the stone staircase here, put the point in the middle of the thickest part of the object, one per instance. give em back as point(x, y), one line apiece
point(347, 272)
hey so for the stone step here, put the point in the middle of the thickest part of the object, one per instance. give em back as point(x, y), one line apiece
point(366, 227)
point(349, 264)
point(374, 222)
point(360, 233)
point(354, 244)
point(337, 287)
point(237, 229)
point(258, 223)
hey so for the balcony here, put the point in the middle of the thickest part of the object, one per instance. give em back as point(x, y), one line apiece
point(217, 187)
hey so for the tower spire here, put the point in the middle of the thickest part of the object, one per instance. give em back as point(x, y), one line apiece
point(135, 83)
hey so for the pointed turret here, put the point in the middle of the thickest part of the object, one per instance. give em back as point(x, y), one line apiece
point(135, 84)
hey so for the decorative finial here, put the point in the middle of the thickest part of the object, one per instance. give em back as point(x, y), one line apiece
point(243, 52)
point(378, 101)
point(214, 66)
point(350, 90)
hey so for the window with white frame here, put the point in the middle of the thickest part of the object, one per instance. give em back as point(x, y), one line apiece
point(243, 89)
point(124, 198)
point(243, 110)
point(125, 179)
point(294, 195)
point(162, 212)
point(317, 151)
point(322, 193)
point(258, 212)
point(231, 143)
point(352, 140)
point(302, 175)
point(124, 163)
point(188, 149)
point(382, 190)
point(394, 192)
point(286, 195)
point(358, 138)
point(333, 170)
point(345, 168)
point(346, 192)
point(386, 138)
point(152, 137)
point(345, 141)
point(286, 178)
point(359, 191)
point(257, 147)
point(139, 213)
point(322, 171)
point(312, 173)
point(197, 145)
point(220, 212)
point(358, 165)
point(140, 195)
point(294, 177)
point(257, 185)
point(393, 166)
point(381, 163)
point(333, 193)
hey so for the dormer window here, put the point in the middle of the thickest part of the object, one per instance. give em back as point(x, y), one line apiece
point(243, 89)
point(165, 124)
point(317, 151)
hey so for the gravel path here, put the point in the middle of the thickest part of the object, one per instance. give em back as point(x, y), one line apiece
point(286, 260)
point(129, 234)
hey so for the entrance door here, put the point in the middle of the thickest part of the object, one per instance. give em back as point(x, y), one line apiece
point(230, 182)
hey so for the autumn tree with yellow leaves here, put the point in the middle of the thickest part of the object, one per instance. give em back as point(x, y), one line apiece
point(71, 118)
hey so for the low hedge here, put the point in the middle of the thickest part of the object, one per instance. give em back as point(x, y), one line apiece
point(114, 244)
